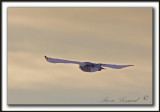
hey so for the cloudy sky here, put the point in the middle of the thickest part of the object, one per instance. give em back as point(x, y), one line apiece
point(100, 35)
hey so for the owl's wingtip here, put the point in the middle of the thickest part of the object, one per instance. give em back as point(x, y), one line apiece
point(45, 57)
point(131, 65)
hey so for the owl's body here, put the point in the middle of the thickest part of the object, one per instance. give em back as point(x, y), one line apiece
point(87, 66)
point(90, 67)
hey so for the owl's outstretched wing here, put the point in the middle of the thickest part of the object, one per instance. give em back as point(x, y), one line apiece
point(115, 66)
point(54, 60)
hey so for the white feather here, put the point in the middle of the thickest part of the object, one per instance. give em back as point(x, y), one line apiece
point(115, 66)
point(53, 60)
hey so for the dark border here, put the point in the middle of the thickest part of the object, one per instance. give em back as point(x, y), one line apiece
point(94, 104)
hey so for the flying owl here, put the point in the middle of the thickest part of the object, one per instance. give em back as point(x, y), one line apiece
point(87, 66)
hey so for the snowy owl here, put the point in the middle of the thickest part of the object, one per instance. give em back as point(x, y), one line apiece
point(87, 66)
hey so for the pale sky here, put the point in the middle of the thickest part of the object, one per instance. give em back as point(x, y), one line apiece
point(100, 35)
